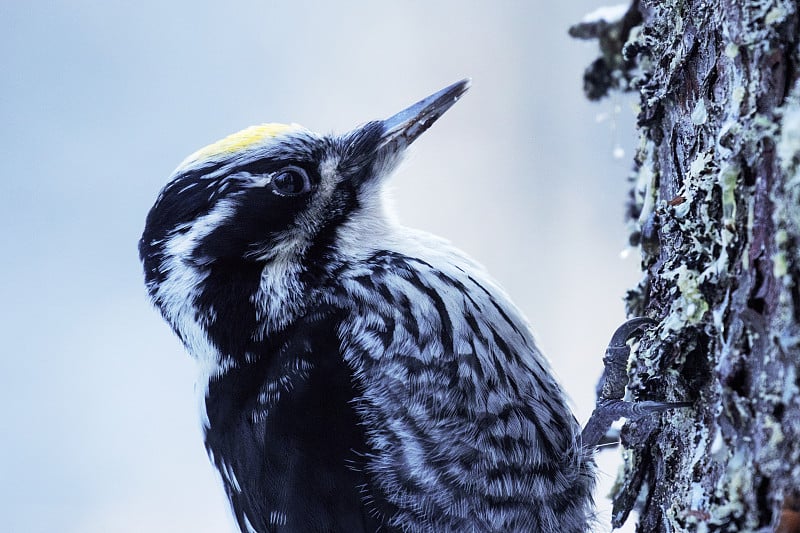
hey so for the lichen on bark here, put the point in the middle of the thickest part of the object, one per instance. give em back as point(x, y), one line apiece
point(715, 209)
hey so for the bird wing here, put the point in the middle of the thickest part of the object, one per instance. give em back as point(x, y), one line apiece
point(468, 428)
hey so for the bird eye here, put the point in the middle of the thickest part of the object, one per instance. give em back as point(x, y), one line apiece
point(290, 181)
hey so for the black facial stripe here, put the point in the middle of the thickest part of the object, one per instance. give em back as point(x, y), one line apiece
point(344, 202)
point(227, 294)
point(256, 214)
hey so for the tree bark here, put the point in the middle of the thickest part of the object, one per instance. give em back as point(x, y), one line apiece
point(715, 209)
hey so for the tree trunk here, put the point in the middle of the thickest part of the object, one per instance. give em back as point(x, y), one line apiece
point(715, 208)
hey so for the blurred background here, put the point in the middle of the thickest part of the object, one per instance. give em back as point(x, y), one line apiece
point(99, 101)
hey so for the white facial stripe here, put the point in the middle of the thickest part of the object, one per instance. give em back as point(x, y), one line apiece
point(281, 296)
point(183, 242)
point(179, 290)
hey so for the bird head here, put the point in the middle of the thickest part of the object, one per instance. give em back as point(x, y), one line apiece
point(277, 193)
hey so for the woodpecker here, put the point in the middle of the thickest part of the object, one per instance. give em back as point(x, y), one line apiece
point(356, 375)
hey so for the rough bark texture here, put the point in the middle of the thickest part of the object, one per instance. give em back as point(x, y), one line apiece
point(715, 208)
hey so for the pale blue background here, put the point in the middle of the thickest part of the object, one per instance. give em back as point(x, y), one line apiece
point(100, 100)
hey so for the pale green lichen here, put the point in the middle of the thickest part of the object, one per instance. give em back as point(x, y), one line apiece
point(789, 143)
point(751, 213)
point(738, 95)
point(727, 183)
point(780, 265)
point(790, 388)
point(700, 163)
point(645, 188)
point(787, 215)
point(776, 435)
point(776, 15)
point(690, 306)
point(731, 487)
point(781, 237)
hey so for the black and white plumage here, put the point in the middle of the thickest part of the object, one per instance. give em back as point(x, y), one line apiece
point(358, 376)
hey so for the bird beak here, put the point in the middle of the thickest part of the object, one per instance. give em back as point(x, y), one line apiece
point(402, 129)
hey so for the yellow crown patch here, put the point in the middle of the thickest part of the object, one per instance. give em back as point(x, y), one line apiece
point(241, 140)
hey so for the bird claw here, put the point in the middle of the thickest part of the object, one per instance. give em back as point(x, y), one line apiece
point(615, 376)
point(610, 405)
